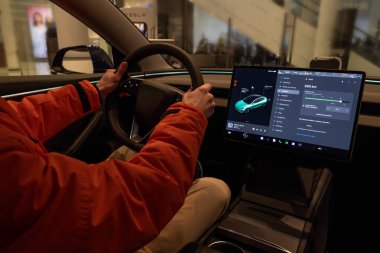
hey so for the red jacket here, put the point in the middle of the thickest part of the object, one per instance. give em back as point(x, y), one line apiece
point(50, 202)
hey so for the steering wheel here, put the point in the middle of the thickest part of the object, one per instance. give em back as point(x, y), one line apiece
point(151, 98)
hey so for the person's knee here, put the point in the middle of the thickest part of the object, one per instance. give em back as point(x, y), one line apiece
point(217, 190)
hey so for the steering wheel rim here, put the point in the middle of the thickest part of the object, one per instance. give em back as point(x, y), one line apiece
point(136, 56)
point(163, 48)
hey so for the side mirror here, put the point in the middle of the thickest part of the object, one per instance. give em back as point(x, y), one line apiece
point(81, 59)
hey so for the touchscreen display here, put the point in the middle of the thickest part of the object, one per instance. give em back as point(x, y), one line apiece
point(308, 111)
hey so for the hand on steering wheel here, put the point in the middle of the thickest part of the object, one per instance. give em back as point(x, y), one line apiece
point(110, 80)
point(201, 98)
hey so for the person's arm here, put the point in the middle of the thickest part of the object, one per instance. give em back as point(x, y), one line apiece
point(47, 114)
point(57, 203)
point(158, 177)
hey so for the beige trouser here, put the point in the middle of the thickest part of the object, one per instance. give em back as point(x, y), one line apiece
point(205, 202)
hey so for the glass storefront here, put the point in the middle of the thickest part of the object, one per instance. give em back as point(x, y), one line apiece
point(26, 28)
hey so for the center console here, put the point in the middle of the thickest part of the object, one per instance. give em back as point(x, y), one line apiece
point(288, 214)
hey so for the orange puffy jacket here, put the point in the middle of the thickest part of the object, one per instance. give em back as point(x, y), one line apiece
point(50, 202)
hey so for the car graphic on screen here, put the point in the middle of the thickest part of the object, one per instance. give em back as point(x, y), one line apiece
point(250, 102)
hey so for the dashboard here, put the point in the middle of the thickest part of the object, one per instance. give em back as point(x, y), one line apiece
point(369, 114)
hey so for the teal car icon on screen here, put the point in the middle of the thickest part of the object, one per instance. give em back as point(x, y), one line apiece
point(250, 102)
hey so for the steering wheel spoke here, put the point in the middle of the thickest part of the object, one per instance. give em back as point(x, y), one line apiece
point(130, 86)
point(135, 136)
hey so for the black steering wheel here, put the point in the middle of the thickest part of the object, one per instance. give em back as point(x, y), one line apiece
point(152, 98)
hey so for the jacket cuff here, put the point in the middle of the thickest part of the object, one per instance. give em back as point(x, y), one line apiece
point(89, 96)
point(180, 105)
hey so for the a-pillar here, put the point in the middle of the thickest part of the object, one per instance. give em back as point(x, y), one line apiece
point(70, 31)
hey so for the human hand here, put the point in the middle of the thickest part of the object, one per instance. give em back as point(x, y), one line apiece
point(110, 79)
point(201, 98)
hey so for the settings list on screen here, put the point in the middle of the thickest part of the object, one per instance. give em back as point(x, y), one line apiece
point(313, 108)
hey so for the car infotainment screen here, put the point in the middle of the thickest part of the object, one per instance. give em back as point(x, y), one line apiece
point(307, 111)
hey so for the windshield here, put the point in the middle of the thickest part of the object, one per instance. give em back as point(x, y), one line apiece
point(218, 33)
point(224, 33)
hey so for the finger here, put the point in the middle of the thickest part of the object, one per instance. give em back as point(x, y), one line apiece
point(211, 98)
point(121, 69)
point(208, 86)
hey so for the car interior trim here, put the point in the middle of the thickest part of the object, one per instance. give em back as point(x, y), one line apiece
point(372, 81)
point(34, 92)
point(28, 93)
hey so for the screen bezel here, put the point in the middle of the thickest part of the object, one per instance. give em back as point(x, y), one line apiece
point(339, 155)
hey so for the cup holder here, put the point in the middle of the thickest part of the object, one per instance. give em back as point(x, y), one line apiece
point(226, 247)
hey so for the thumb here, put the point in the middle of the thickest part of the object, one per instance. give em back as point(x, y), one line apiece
point(121, 69)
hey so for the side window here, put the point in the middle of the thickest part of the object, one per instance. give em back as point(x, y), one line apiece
point(32, 31)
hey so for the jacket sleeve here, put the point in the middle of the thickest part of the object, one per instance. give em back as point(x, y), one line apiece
point(47, 114)
point(113, 206)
